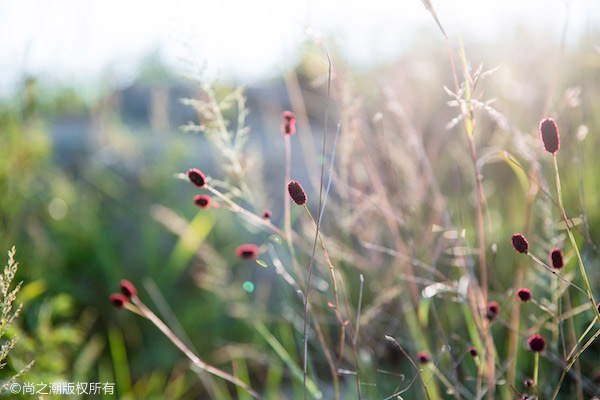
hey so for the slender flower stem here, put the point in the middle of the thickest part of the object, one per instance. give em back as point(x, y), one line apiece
point(589, 293)
point(287, 218)
point(537, 260)
point(248, 214)
point(536, 367)
point(147, 313)
point(286, 198)
point(469, 127)
point(573, 242)
point(583, 335)
point(575, 358)
point(338, 312)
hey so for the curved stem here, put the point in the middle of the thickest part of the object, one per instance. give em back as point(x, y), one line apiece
point(146, 312)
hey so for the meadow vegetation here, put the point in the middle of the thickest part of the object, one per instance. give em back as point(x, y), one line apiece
point(436, 240)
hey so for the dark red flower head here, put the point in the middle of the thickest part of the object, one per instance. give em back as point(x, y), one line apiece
point(556, 257)
point(202, 200)
point(127, 288)
point(493, 309)
point(520, 243)
point(473, 351)
point(288, 126)
point(266, 214)
point(196, 177)
point(536, 343)
point(247, 251)
point(524, 294)
point(598, 307)
point(423, 357)
point(297, 193)
point(118, 300)
point(549, 135)
point(528, 383)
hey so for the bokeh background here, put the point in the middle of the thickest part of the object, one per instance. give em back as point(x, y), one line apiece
point(91, 145)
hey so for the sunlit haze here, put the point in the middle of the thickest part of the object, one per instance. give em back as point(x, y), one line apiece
point(72, 42)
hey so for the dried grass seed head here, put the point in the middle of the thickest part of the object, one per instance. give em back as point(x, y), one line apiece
point(128, 288)
point(196, 177)
point(472, 351)
point(493, 309)
point(288, 127)
point(556, 258)
point(423, 357)
point(247, 251)
point(202, 201)
point(118, 300)
point(549, 135)
point(524, 294)
point(520, 243)
point(297, 193)
point(536, 343)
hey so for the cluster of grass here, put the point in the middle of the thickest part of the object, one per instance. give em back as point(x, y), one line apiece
point(396, 278)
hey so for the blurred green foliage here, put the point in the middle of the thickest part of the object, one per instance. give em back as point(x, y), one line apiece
point(92, 207)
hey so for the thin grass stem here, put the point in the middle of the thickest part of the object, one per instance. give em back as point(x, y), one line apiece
point(147, 313)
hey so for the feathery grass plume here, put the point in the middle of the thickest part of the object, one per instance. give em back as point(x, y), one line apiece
point(493, 309)
point(536, 343)
point(196, 177)
point(520, 243)
point(297, 193)
point(556, 257)
point(8, 298)
point(423, 357)
point(549, 135)
point(472, 351)
point(118, 300)
point(128, 288)
point(524, 294)
point(289, 123)
point(247, 251)
point(202, 201)
point(267, 214)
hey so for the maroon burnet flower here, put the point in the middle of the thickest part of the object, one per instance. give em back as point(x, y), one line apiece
point(297, 193)
point(127, 288)
point(549, 135)
point(266, 214)
point(288, 127)
point(472, 351)
point(520, 243)
point(528, 383)
point(536, 343)
point(202, 200)
point(196, 177)
point(423, 357)
point(524, 294)
point(118, 300)
point(556, 257)
point(493, 309)
point(247, 251)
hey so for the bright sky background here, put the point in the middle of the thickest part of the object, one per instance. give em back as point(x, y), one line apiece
point(73, 41)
